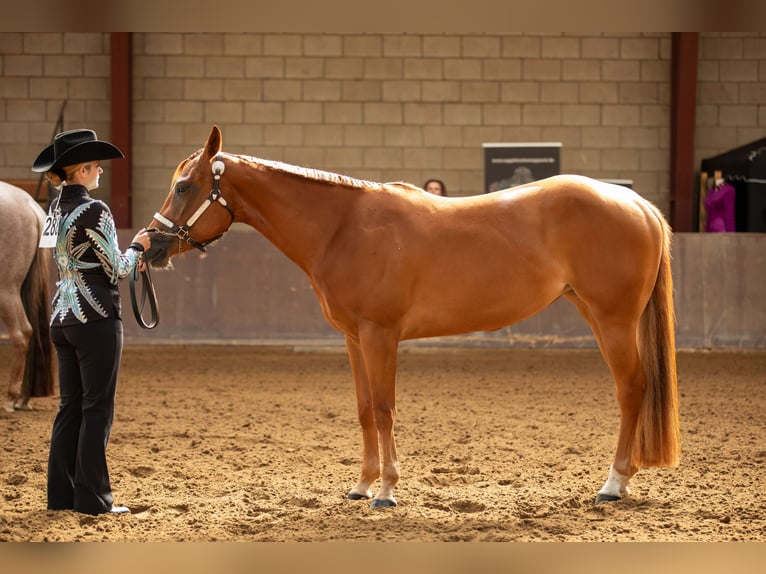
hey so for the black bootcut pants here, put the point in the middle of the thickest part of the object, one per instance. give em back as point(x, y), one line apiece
point(88, 363)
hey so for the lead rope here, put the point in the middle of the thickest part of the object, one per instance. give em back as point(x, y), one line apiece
point(147, 292)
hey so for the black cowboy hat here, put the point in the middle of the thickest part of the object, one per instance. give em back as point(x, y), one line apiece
point(73, 147)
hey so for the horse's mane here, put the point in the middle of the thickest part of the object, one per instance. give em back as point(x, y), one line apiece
point(312, 174)
point(317, 175)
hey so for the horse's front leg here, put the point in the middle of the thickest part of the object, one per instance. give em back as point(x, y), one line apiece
point(370, 455)
point(379, 350)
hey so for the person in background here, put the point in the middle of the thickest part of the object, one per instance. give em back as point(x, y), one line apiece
point(86, 324)
point(435, 186)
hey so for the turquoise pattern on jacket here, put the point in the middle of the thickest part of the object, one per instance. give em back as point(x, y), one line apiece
point(73, 288)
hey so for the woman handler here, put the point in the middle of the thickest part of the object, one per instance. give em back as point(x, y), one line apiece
point(86, 324)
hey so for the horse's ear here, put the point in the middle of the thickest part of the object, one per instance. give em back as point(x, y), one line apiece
point(214, 142)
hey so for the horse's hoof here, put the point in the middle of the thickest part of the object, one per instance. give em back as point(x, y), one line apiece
point(357, 496)
point(606, 498)
point(8, 406)
point(382, 503)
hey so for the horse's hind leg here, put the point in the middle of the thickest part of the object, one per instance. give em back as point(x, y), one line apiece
point(19, 331)
point(620, 351)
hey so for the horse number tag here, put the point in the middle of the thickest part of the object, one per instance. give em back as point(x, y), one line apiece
point(50, 229)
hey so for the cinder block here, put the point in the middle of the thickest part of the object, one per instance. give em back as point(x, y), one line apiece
point(481, 46)
point(501, 114)
point(501, 69)
point(639, 93)
point(402, 45)
point(600, 137)
point(541, 114)
point(85, 43)
point(163, 44)
point(282, 44)
point(620, 115)
point(265, 67)
point(599, 92)
point(382, 113)
point(440, 91)
point(472, 91)
point(383, 68)
point(185, 66)
point(282, 90)
point(363, 45)
point(422, 114)
point(462, 69)
point(600, 48)
point(203, 44)
point(639, 48)
point(446, 46)
point(559, 92)
point(282, 135)
point(225, 67)
point(243, 44)
point(521, 47)
point(201, 89)
point(321, 90)
point(363, 136)
point(520, 92)
point(305, 68)
point(343, 112)
point(362, 90)
point(403, 136)
point(401, 91)
point(560, 48)
point(263, 112)
point(423, 69)
point(22, 65)
point(62, 66)
point(303, 112)
point(621, 70)
point(41, 43)
point(243, 90)
point(223, 112)
point(543, 70)
point(344, 68)
point(581, 115)
point(639, 138)
point(462, 114)
point(581, 70)
point(382, 157)
point(323, 45)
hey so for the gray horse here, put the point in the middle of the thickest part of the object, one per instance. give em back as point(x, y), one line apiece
point(24, 303)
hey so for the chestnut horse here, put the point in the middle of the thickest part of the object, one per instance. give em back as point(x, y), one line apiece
point(24, 303)
point(391, 262)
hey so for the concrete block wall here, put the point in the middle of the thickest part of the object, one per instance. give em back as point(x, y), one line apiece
point(403, 107)
point(384, 107)
point(731, 92)
point(38, 72)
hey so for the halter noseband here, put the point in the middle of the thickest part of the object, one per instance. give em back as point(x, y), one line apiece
point(182, 231)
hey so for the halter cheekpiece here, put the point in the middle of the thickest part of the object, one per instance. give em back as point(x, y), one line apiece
point(182, 231)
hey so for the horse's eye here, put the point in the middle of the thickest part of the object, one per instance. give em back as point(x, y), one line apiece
point(182, 188)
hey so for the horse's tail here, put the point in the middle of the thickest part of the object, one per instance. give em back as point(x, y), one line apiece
point(38, 372)
point(657, 434)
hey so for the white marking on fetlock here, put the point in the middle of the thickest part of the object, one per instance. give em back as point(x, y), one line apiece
point(616, 484)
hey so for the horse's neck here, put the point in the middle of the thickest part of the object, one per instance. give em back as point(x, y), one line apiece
point(299, 217)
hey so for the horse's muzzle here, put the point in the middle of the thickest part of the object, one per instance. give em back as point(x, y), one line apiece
point(158, 254)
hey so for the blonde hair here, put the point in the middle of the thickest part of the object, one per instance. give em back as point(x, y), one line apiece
point(58, 176)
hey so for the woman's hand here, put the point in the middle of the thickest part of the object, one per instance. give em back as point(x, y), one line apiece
point(143, 238)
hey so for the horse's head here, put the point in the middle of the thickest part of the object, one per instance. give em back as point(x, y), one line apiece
point(188, 218)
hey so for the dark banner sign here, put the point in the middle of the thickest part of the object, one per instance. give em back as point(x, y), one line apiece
point(510, 164)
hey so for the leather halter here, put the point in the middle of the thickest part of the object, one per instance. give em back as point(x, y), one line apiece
point(182, 231)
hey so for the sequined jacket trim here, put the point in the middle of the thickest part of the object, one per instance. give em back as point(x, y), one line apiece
point(88, 259)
